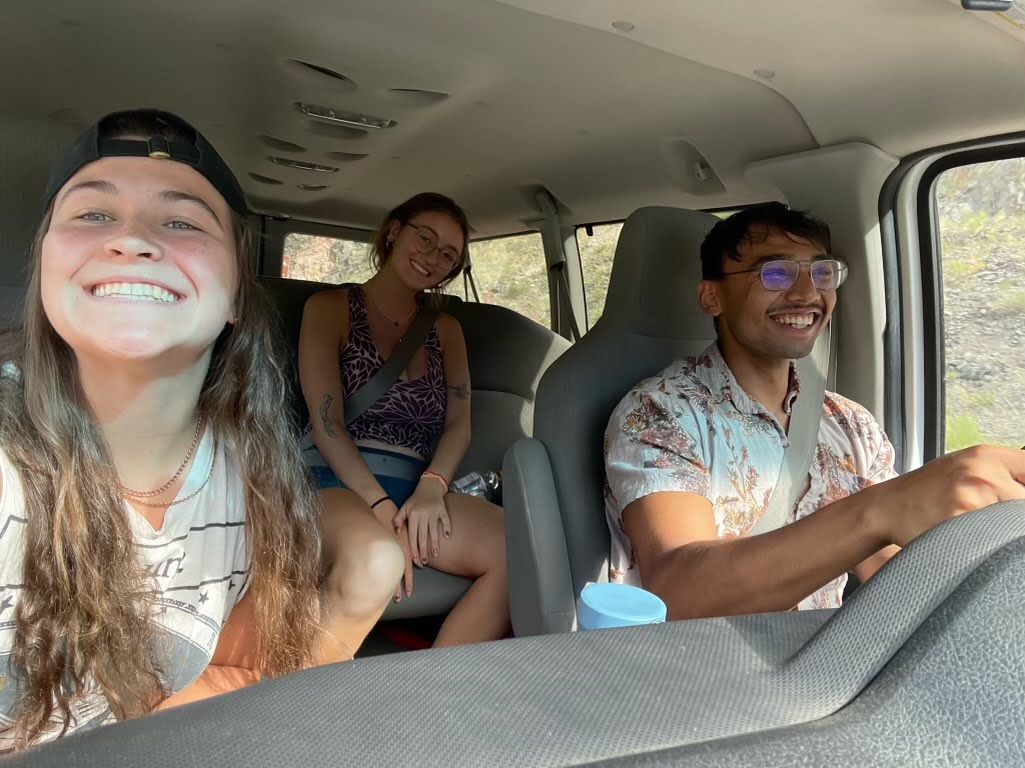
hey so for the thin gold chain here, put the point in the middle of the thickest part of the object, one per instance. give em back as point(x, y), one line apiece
point(386, 315)
point(126, 491)
point(192, 495)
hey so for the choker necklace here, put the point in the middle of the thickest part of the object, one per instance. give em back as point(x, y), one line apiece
point(388, 317)
point(126, 491)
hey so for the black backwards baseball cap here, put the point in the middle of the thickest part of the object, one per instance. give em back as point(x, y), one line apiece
point(195, 151)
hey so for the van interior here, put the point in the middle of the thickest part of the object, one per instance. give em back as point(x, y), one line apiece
point(593, 145)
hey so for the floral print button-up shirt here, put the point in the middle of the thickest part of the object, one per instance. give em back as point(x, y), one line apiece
point(693, 429)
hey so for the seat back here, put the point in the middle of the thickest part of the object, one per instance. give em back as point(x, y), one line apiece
point(507, 352)
point(651, 317)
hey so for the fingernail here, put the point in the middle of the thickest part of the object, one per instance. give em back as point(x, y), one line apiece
point(435, 553)
point(396, 598)
point(448, 535)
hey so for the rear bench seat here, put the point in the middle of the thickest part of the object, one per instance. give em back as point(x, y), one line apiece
point(507, 354)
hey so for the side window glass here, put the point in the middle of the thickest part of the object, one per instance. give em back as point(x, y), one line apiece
point(325, 259)
point(511, 271)
point(982, 248)
point(597, 251)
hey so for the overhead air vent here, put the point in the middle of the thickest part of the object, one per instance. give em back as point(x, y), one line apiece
point(280, 144)
point(346, 157)
point(335, 131)
point(343, 117)
point(319, 72)
point(414, 97)
point(300, 165)
point(312, 187)
point(264, 179)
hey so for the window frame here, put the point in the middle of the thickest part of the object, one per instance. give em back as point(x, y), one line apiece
point(275, 231)
point(479, 287)
point(909, 228)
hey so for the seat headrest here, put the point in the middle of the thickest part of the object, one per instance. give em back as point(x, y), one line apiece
point(653, 287)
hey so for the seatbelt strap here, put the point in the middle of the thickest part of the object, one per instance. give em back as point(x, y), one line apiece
point(803, 436)
point(469, 283)
point(564, 303)
point(364, 397)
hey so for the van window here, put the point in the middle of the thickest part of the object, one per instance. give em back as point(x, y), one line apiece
point(597, 252)
point(325, 259)
point(981, 215)
point(511, 271)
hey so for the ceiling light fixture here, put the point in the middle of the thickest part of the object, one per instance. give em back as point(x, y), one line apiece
point(289, 163)
point(355, 119)
point(623, 26)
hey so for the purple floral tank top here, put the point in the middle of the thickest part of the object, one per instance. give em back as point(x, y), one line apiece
point(410, 414)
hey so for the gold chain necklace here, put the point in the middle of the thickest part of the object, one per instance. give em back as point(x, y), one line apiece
point(388, 317)
point(209, 474)
point(126, 491)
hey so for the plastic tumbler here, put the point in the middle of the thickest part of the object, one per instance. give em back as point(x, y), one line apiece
point(602, 606)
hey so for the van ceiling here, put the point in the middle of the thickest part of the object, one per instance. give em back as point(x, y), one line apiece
point(492, 100)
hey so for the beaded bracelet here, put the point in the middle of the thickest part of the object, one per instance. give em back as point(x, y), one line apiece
point(439, 477)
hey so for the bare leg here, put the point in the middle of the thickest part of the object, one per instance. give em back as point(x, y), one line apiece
point(363, 564)
point(477, 550)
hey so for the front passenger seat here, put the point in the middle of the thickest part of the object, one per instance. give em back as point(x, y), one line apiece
point(557, 537)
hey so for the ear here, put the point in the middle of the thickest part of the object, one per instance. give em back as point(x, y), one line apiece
point(394, 227)
point(710, 298)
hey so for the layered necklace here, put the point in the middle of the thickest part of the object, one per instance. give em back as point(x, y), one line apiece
point(138, 497)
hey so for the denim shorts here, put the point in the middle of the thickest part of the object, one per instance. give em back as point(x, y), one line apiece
point(397, 473)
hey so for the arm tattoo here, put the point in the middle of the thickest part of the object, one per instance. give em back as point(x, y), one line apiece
point(324, 419)
point(461, 391)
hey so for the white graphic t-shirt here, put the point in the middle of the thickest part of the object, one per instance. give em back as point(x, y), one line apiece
point(198, 560)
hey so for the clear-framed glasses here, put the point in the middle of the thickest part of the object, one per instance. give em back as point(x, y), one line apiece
point(426, 241)
point(781, 274)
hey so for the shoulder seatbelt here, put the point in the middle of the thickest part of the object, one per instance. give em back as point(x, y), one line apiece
point(469, 283)
point(803, 436)
point(564, 304)
point(389, 373)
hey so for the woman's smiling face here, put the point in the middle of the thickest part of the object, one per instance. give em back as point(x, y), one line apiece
point(139, 260)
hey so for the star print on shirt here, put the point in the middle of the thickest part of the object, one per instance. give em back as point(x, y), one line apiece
point(203, 597)
point(7, 603)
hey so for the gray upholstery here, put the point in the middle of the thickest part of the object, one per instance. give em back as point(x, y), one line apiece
point(651, 317)
point(924, 666)
point(507, 355)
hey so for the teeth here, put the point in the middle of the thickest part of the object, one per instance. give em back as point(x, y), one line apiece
point(419, 269)
point(144, 291)
point(798, 321)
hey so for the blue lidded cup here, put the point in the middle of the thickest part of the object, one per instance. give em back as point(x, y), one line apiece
point(602, 606)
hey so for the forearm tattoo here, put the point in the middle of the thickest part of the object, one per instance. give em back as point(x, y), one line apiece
point(325, 405)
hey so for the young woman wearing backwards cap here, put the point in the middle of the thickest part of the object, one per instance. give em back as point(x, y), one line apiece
point(157, 530)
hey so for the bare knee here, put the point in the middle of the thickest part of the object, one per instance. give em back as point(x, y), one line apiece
point(363, 577)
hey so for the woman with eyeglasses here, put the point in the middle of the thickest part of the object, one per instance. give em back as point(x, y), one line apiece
point(384, 475)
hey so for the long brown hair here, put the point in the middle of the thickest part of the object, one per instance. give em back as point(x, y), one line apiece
point(84, 614)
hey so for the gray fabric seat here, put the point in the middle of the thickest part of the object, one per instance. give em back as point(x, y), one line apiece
point(557, 535)
point(507, 354)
